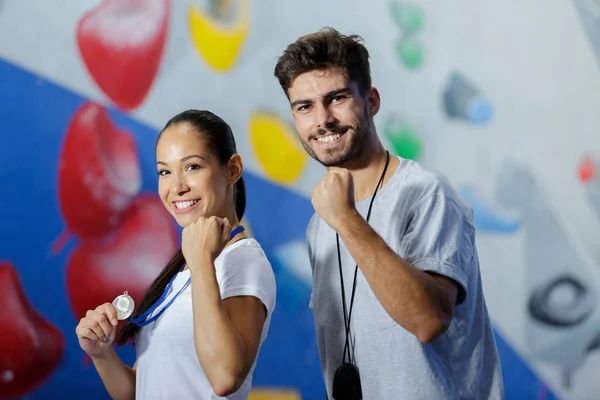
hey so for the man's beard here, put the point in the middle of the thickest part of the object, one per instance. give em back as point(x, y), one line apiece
point(354, 145)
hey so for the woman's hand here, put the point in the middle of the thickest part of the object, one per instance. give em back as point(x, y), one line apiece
point(96, 331)
point(203, 240)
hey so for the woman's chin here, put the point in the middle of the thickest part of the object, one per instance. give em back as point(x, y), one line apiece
point(185, 220)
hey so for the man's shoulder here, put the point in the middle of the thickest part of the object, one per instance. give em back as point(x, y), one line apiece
point(426, 183)
point(425, 180)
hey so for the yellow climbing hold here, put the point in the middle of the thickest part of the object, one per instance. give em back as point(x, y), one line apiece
point(276, 147)
point(274, 394)
point(219, 44)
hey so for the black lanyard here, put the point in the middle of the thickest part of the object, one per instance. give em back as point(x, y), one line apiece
point(347, 378)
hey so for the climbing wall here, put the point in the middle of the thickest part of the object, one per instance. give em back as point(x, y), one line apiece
point(502, 97)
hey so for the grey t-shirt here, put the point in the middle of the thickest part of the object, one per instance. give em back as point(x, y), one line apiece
point(421, 217)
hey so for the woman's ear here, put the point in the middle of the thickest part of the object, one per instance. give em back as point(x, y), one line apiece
point(235, 167)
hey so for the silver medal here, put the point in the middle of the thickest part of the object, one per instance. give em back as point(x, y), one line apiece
point(124, 305)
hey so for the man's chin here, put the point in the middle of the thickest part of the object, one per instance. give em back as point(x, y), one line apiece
point(332, 163)
point(333, 160)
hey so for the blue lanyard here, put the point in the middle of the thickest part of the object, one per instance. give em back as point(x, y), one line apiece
point(141, 320)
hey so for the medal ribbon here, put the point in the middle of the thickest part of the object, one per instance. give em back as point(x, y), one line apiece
point(141, 320)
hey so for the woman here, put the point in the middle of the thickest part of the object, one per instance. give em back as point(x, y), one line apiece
point(219, 289)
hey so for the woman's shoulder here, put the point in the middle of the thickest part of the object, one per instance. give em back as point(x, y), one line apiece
point(246, 251)
point(244, 247)
point(243, 268)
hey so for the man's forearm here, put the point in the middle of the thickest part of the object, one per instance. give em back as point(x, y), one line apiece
point(410, 296)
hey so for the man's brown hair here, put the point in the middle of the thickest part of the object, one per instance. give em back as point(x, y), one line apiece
point(323, 50)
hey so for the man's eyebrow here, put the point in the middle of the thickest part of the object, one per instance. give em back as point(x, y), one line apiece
point(335, 92)
point(299, 102)
point(330, 94)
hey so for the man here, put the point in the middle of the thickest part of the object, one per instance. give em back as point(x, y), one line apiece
point(391, 245)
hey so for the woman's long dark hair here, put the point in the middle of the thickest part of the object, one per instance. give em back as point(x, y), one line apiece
point(218, 139)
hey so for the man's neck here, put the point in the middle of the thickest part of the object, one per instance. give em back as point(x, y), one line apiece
point(367, 169)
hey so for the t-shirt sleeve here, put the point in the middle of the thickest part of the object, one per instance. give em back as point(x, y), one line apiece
point(311, 234)
point(249, 273)
point(440, 239)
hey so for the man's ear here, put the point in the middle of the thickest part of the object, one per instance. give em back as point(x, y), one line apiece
point(373, 101)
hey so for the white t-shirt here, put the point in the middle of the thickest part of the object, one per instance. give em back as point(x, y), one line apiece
point(167, 364)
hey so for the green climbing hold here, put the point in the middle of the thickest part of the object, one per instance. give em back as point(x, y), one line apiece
point(408, 17)
point(404, 139)
point(410, 52)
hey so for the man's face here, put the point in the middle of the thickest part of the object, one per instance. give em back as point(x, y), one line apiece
point(332, 118)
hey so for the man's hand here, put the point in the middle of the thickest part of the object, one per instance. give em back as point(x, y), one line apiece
point(333, 197)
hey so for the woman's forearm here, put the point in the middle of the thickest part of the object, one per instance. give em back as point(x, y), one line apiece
point(220, 348)
point(118, 378)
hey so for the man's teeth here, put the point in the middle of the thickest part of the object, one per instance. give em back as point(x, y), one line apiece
point(329, 138)
point(185, 204)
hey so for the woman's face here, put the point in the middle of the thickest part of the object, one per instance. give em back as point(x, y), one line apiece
point(191, 182)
